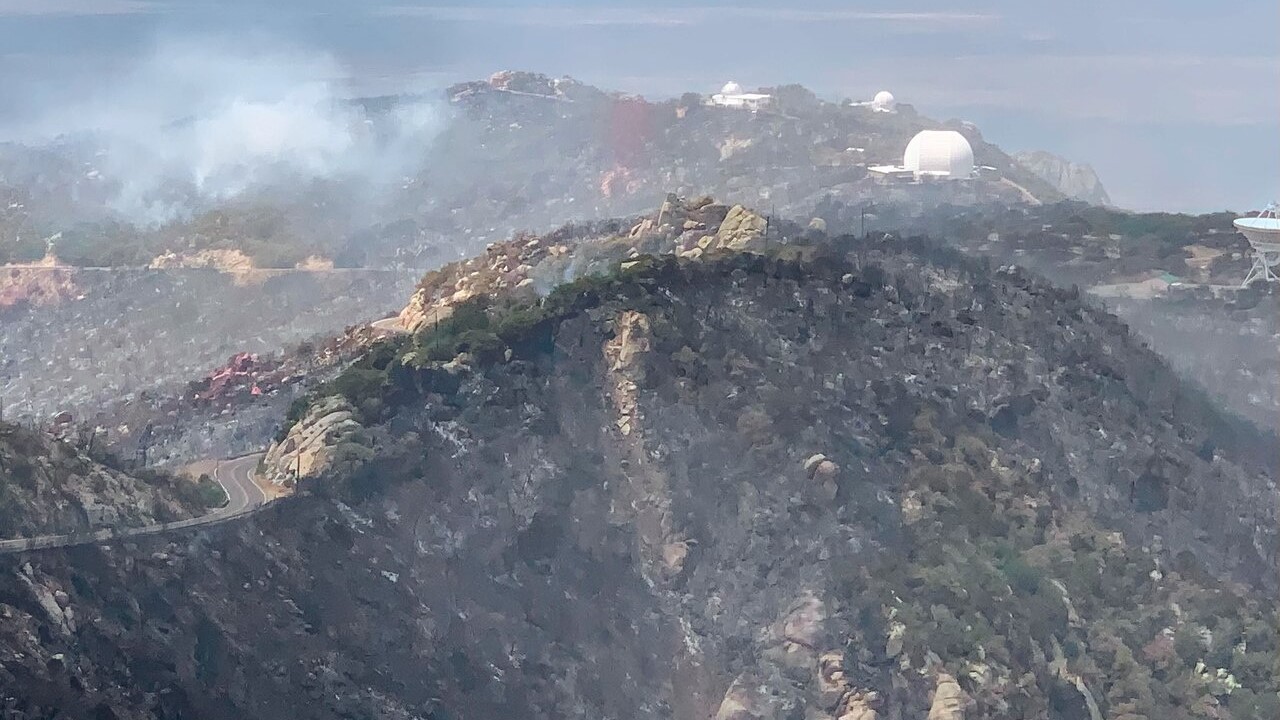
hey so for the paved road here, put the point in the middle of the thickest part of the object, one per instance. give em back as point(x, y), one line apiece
point(391, 325)
point(234, 475)
point(236, 478)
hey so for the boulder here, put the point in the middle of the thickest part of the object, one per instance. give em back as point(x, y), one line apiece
point(741, 230)
point(310, 447)
point(739, 702)
point(860, 706)
point(673, 557)
point(812, 462)
point(948, 700)
point(805, 622)
point(895, 642)
point(832, 685)
point(825, 470)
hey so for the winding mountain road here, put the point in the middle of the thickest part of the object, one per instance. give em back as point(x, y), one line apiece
point(391, 325)
point(234, 475)
point(236, 478)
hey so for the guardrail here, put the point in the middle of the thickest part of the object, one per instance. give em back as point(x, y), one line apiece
point(217, 517)
point(108, 534)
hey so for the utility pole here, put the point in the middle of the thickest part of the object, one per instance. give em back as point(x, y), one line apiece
point(143, 441)
point(435, 331)
point(864, 222)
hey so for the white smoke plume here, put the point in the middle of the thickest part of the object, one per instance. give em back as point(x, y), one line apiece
point(198, 123)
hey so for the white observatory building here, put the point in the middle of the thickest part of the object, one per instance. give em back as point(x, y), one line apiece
point(883, 102)
point(731, 95)
point(944, 154)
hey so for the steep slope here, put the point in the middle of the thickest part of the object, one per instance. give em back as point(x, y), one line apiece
point(527, 266)
point(1173, 278)
point(135, 334)
point(1074, 180)
point(872, 482)
point(49, 487)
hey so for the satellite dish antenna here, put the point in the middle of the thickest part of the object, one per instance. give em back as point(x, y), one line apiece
point(1263, 234)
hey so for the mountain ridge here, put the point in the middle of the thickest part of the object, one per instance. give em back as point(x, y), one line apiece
point(867, 478)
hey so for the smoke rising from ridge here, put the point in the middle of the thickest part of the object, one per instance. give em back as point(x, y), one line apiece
point(199, 123)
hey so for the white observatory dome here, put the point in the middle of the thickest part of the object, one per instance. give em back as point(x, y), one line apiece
point(883, 101)
point(731, 88)
point(939, 152)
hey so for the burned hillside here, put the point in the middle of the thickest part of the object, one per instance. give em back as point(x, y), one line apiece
point(1174, 278)
point(870, 479)
point(137, 335)
point(52, 485)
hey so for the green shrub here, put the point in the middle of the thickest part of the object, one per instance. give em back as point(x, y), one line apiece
point(1023, 578)
point(358, 384)
point(210, 493)
point(297, 410)
point(519, 323)
point(469, 315)
point(484, 345)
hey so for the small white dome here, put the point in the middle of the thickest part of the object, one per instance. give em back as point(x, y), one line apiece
point(731, 88)
point(883, 101)
point(939, 152)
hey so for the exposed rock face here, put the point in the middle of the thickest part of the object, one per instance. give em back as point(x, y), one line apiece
point(502, 552)
point(44, 284)
point(1075, 180)
point(741, 230)
point(225, 260)
point(48, 487)
point(948, 700)
point(325, 439)
point(527, 265)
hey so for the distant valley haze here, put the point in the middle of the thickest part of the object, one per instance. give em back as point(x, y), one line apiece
point(1173, 103)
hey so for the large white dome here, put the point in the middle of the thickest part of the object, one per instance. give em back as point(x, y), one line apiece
point(939, 152)
point(731, 88)
point(883, 101)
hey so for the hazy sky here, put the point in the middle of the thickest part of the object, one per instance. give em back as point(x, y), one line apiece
point(1175, 102)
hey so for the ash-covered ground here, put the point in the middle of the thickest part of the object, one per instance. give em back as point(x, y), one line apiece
point(121, 333)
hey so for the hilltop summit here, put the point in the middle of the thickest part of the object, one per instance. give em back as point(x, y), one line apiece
point(821, 477)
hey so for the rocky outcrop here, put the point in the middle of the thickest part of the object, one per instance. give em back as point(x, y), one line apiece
point(327, 438)
point(52, 602)
point(741, 230)
point(508, 269)
point(839, 696)
point(42, 284)
point(50, 487)
point(225, 260)
point(527, 265)
point(1075, 180)
point(948, 700)
point(316, 263)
